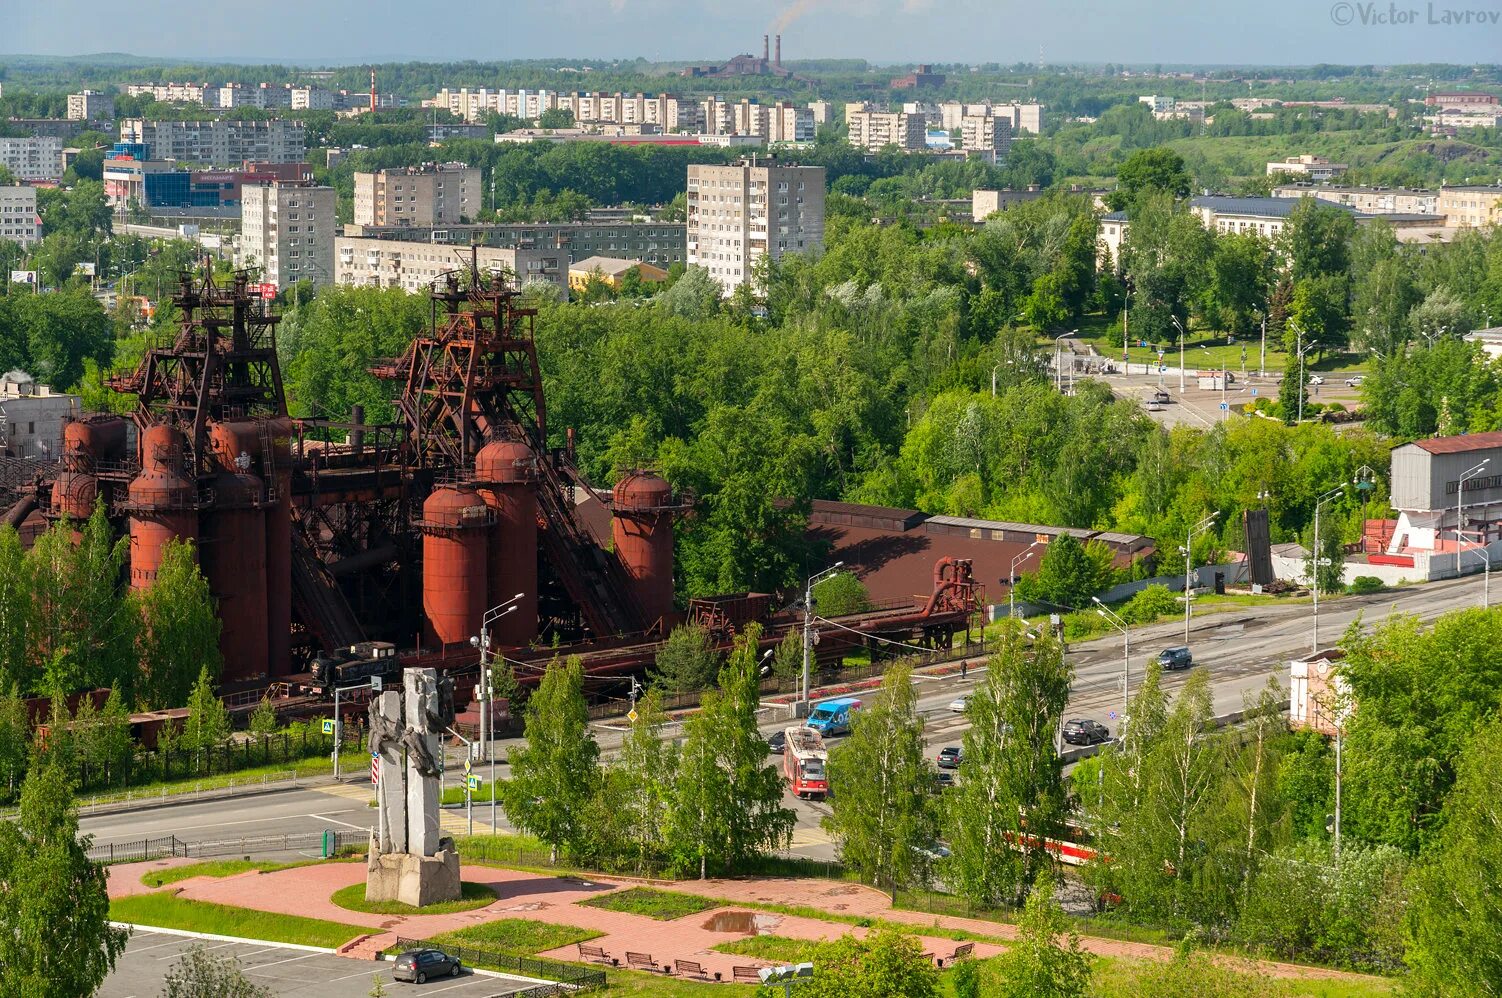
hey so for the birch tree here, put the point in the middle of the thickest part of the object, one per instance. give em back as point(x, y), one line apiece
point(556, 774)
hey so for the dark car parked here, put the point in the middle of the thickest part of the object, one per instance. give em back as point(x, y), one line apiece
point(1177, 657)
point(777, 741)
point(1083, 731)
point(949, 757)
point(422, 965)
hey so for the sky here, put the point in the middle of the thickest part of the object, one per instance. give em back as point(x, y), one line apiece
point(342, 32)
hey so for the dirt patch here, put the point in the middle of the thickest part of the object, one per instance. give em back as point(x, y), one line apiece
point(746, 923)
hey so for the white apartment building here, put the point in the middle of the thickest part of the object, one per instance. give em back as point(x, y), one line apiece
point(90, 105)
point(18, 215)
point(33, 157)
point(822, 110)
point(986, 133)
point(414, 265)
point(219, 142)
point(1369, 200)
point(1316, 168)
point(311, 99)
point(738, 214)
point(871, 130)
point(433, 194)
point(787, 122)
point(1024, 118)
point(187, 93)
point(1469, 205)
point(287, 231)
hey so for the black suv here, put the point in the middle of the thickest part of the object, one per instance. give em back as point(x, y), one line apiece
point(949, 757)
point(422, 965)
point(1177, 657)
point(1083, 731)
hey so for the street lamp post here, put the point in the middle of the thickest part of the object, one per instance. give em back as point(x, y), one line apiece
point(808, 620)
point(1203, 525)
point(1460, 512)
point(1012, 579)
point(1058, 368)
point(1303, 387)
point(1115, 621)
point(1319, 504)
point(1180, 327)
point(487, 725)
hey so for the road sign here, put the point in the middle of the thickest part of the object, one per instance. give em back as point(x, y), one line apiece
point(1113, 715)
point(1254, 391)
point(473, 782)
point(469, 767)
point(375, 768)
point(375, 684)
point(1160, 354)
point(631, 715)
point(328, 725)
point(1224, 406)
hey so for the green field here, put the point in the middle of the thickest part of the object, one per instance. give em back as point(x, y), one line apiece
point(472, 896)
point(662, 905)
point(169, 911)
point(518, 935)
point(217, 868)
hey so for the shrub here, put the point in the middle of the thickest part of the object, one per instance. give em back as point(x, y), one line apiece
point(1151, 603)
point(1364, 584)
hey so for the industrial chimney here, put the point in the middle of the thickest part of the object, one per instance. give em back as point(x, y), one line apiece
point(778, 63)
point(766, 54)
point(372, 89)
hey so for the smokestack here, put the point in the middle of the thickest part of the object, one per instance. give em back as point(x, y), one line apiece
point(778, 63)
point(766, 54)
point(372, 89)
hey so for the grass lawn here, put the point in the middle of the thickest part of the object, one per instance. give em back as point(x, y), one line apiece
point(472, 896)
point(519, 935)
point(455, 795)
point(779, 949)
point(216, 868)
point(662, 905)
point(172, 912)
point(318, 765)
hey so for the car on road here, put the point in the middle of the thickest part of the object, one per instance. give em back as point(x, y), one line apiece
point(1355, 381)
point(1155, 406)
point(944, 779)
point(959, 703)
point(1161, 397)
point(1315, 379)
point(777, 741)
point(422, 965)
point(933, 851)
point(949, 757)
point(1083, 731)
point(1177, 657)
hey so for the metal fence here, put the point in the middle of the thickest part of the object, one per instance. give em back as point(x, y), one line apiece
point(326, 843)
point(568, 976)
point(136, 797)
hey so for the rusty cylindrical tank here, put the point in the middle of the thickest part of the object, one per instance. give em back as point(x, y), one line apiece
point(455, 528)
point(234, 564)
point(163, 503)
point(507, 471)
point(75, 488)
point(642, 531)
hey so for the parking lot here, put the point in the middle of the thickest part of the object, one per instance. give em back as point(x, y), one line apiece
point(284, 969)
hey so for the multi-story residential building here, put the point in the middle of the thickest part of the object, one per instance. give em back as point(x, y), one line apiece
point(787, 122)
point(33, 157)
point(184, 93)
point(312, 99)
point(717, 116)
point(661, 244)
point(822, 110)
point(990, 134)
point(1024, 118)
point(218, 142)
point(871, 129)
point(1371, 200)
point(432, 194)
point(90, 105)
point(287, 230)
point(738, 214)
point(1155, 103)
point(18, 215)
point(1316, 168)
point(414, 265)
point(1451, 120)
point(1469, 205)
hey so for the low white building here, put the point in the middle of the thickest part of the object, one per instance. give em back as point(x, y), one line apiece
point(32, 416)
point(1316, 168)
point(414, 265)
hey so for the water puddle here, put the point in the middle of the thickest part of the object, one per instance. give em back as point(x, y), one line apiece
point(746, 923)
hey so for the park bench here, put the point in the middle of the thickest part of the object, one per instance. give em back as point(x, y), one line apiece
point(745, 975)
point(689, 968)
point(594, 954)
point(963, 950)
point(639, 961)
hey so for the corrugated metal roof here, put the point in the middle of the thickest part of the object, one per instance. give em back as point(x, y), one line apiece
point(1022, 528)
point(1461, 444)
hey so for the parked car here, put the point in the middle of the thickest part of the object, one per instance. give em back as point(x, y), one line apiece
point(421, 965)
point(933, 852)
point(1355, 380)
point(958, 704)
point(777, 741)
point(949, 757)
point(1177, 657)
point(945, 779)
point(1315, 379)
point(1083, 731)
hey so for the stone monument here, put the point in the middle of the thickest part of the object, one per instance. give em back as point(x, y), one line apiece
point(410, 859)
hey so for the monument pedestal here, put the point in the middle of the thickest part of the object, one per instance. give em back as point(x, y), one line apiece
point(414, 880)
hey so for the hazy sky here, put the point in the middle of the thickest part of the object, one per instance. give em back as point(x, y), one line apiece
point(1134, 31)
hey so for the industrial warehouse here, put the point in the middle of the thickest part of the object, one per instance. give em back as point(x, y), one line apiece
point(336, 547)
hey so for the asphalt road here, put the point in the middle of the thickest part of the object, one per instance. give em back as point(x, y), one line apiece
point(1241, 646)
point(284, 969)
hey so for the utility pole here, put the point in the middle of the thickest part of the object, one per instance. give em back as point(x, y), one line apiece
point(1460, 522)
point(1126, 651)
point(1188, 566)
point(1318, 505)
point(486, 694)
point(808, 622)
point(1012, 579)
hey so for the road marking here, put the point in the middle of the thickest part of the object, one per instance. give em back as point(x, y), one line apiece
point(143, 949)
point(291, 959)
point(250, 821)
point(381, 970)
point(451, 987)
point(169, 956)
point(321, 817)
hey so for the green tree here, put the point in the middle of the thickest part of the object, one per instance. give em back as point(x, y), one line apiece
point(207, 725)
point(1010, 793)
point(1069, 574)
point(16, 613)
point(81, 631)
point(1047, 959)
point(687, 660)
point(114, 746)
point(885, 964)
point(15, 741)
point(1241, 273)
point(1457, 913)
point(840, 594)
point(1319, 310)
point(179, 629)
point(882, 789)
point(201, 974)
point(557, 773)
point(1159, 170)
point(1316, 239)
point(637, 788)
point(787, 660)
point(56, 940)
point(727, 801)
point(263, 719)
